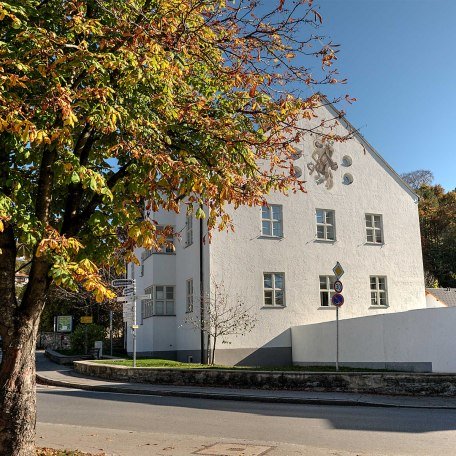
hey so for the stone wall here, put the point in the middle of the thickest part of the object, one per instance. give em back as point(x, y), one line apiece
point(377, 383)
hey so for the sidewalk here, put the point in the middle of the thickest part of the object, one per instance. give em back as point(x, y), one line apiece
point(49, 373)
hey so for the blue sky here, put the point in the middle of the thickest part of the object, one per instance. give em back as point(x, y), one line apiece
point(399, 57)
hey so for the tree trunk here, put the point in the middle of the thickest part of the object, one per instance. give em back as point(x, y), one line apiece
point(214, 340)
point(17, 391)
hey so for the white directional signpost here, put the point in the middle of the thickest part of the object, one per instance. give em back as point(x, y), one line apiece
point(129, 300)
point(338, 300)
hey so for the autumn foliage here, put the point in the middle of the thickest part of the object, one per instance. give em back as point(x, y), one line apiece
point(108, 105)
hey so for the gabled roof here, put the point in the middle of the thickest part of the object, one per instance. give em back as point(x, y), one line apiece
point(445, 295)
point(369, 147)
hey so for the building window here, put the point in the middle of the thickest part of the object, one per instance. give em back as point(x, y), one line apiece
point(271, 220)
point(326, 229)
point(379, 294)
point(142, 268)
point(132, 271)
point(189, 230)
point(189, 295)
point(147, 305)
point(274, 289)
point(162, 302)
point(374, 231)
point(326, 290)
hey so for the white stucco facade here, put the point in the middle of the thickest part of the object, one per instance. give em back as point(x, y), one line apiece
point(239, 260)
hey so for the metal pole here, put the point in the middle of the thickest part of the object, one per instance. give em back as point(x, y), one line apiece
point(337, 338)
point(110, 330)
point(134, 325)
point(134, 347)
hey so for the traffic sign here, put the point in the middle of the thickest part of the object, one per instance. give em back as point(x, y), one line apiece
point(125, 299)
point(146, 296)
point(128, 291)
point(122, 282)
point(338, 287)
point(337, 299)
point(338, 270)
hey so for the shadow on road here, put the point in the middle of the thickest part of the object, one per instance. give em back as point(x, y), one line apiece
point(373, 419)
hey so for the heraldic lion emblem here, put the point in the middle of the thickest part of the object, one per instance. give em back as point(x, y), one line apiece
point(323, 165)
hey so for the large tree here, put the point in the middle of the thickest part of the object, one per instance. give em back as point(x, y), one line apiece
point(105, 104)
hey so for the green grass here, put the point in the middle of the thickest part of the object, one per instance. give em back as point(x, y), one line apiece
point(165, 363)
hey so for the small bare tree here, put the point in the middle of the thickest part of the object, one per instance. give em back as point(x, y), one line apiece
point(224, 316)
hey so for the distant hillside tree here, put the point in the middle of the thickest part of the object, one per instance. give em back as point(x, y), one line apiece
point(437, 210)
point(418, 178)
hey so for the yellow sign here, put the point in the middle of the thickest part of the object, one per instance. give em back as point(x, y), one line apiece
point(87, 319)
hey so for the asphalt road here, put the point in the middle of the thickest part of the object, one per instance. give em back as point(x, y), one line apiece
point(136, 425)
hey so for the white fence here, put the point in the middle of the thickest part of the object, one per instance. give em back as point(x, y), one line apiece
point(420, 340)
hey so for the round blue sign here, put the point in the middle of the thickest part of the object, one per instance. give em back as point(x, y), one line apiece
point(337, 300)
point(338, 287)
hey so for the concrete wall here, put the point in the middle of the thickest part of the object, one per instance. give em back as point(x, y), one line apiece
point(379, 383)
point(421, 340)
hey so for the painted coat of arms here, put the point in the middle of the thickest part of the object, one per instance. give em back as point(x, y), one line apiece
point(323, 164)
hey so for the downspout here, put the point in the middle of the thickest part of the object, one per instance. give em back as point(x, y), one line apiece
point(201, 289)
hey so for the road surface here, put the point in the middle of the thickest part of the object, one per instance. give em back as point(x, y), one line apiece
point(136, 425)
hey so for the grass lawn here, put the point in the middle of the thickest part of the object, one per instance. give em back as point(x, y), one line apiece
point(52, 452)
point(166, 363)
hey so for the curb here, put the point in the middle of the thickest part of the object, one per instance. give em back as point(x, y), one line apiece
point(232, 396)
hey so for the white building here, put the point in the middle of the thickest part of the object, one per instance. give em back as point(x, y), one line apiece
point(356, 211)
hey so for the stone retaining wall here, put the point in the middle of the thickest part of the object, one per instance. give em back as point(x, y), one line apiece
point(354, 382)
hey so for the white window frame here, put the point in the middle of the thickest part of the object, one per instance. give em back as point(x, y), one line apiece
point(189, 295)
point(267, 216)
point(374, 230)
point(188, 230)
point(149, 306)
point(376, 292)
point(274, 290)
point(327, 290)
point(325, 225)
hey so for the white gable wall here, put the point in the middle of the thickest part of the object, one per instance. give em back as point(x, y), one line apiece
point(240, 259)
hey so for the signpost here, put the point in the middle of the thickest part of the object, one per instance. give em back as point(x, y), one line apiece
point(129, 300)
point(64, 323)
point(337, 301)
point(123, 283)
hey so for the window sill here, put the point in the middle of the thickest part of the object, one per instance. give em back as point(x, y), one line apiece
point(264, 236)
point(327, 308)
point(375, 243)
point(325, 241)
point(164, 253)
point(273, 307)
point(159, 315)
point(188, 245)
point(379, 307)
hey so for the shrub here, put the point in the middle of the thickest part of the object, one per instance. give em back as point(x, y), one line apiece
point(78, 337)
